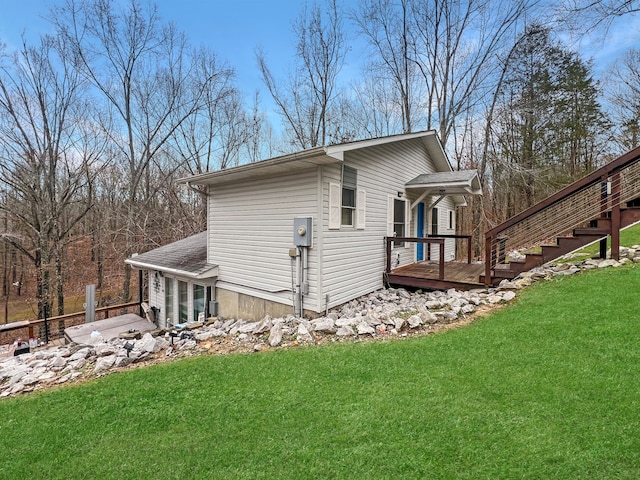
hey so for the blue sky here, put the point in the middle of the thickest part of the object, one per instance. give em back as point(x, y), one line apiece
point(235, 28)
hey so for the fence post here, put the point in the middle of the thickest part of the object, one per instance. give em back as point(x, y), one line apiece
point(46, 323)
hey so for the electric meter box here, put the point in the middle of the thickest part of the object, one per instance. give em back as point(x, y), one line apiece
point(302, 232)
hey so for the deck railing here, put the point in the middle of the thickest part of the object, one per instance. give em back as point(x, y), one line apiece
point(53, 328)
point(592, 197)
point(429, 240)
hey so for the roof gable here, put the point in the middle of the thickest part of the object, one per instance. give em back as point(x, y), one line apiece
point(319, 156)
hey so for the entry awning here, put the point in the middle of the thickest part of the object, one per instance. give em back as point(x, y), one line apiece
point(455, 184)
point(461, 182)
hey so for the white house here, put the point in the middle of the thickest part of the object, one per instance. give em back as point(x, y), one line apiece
point(305, 232)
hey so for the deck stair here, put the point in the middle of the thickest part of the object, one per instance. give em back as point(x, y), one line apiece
point(592, 209)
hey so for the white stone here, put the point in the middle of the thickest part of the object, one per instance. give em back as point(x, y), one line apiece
point(343, 322)
point(275, 335)
point(248, 327)
point(148, 343)
point(508, 296)
point(122, 361)
point(427, 317)
point(414, 321)
point(82, 353)
point(201, 337)
point(365, 329)
point(104, 363)
point(263, 325)
point(467, 309)
point(58, 362)
point(345, 331)
point(494, 299)
point(186, 344)
point(104, 350)
point(303, 329)
point(323, 325)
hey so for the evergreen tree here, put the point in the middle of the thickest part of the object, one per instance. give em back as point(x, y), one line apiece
point(550, 122)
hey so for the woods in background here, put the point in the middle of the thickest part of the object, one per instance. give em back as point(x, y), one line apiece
point(98, 119)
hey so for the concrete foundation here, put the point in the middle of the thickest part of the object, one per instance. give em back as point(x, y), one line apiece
point(247, 307)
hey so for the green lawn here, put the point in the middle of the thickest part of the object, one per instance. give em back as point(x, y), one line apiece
point(546, 388)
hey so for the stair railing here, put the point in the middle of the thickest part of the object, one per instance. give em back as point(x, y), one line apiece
point(602, 191)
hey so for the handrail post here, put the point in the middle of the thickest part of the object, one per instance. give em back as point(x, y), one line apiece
point(615, 215)
point(469, 249)
point(487, 259)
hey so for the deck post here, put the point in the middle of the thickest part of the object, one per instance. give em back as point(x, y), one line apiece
point(441, 271)
point(487, 259)
point(615, 216)
point(140, 292)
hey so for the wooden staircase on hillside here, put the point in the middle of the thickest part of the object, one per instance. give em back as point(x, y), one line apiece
point(594, 208)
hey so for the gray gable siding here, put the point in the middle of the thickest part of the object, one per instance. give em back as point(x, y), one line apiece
point(251, 231)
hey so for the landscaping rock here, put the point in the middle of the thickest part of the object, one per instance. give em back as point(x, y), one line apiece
point(324, 325)
point(275, 335)
point(104, 363)
point(345, 331)
point(364, 328)
point(383, 313)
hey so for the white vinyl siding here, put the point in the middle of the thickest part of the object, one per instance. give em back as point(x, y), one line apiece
point(251, 230)
point(354, 260)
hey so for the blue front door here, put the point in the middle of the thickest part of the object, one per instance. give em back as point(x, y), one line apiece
point(420, 249)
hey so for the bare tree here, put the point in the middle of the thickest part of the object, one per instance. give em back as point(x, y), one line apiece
point(440, 55)
point(45, 170)
point(585, 16)
point(145, 75)
point(308, 99)
point(624, 96)
point(388, 29)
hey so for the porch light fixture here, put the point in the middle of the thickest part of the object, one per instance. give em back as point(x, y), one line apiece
point(400, 194)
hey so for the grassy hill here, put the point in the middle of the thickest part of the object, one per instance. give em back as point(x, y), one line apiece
point(546, 388)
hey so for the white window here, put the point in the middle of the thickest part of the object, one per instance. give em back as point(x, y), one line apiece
point(349, 187)
point(434, 221)
point(398, 215)
point(347, 203)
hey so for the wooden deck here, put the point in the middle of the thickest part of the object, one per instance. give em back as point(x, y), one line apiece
point(463, 276)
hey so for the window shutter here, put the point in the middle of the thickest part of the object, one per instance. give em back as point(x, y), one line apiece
point(390, 216)
point(334, 206)
point(361, 212)
point(407, 222)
